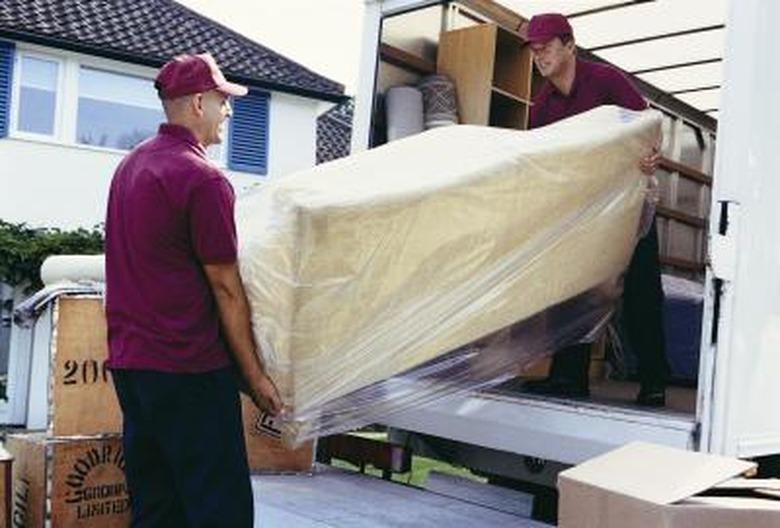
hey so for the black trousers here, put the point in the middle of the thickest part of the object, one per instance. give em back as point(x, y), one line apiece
point(185, 457)
point(643, 300)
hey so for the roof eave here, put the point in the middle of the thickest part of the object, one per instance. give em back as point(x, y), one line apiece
point(156, 62)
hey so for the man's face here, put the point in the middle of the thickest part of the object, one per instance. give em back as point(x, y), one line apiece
point(552, 56)
point(216, 109)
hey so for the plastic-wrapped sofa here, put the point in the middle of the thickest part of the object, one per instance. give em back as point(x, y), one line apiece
point(368, 267)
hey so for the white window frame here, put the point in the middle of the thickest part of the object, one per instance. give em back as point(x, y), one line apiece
point(67, 96)
point(16, 90)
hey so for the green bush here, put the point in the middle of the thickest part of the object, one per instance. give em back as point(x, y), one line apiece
point(23, 249)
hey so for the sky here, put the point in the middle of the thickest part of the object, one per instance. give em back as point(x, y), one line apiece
point(323, 35)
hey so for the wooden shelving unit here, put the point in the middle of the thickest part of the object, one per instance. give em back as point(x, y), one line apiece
point(492, 69)
point(513, 65)
point(507, 111)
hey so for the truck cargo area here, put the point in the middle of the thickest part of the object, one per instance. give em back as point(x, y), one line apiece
point(478, 45)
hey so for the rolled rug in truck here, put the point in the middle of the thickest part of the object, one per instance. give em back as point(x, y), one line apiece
point(364, 268)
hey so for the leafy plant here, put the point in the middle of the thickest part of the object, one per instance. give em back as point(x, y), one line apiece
point(23, 249)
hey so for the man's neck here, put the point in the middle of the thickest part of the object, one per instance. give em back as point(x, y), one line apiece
point(199, 136)
point(564, 80)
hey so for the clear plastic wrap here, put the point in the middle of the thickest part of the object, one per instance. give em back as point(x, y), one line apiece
point(395, 276)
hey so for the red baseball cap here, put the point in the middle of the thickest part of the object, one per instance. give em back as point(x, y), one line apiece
point(547, 26)
point(189, 74)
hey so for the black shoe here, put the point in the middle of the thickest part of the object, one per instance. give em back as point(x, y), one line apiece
point(651, 397)
point(561, 387)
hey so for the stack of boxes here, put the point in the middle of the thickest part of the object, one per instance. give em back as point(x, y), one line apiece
point(72, 473)
point(70, 470)
point(5, 487)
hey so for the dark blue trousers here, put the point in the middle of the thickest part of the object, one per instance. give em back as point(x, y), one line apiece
point(185, 457)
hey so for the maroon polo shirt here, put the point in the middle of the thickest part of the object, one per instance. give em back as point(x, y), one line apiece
point(594, 85)
point(170, 211)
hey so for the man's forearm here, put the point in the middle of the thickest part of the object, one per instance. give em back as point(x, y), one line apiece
point(235, 317)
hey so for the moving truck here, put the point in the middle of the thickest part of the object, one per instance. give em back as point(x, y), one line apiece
point(718, 222)
point(719, 232)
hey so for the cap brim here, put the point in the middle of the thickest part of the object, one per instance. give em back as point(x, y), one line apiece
point(233, 89)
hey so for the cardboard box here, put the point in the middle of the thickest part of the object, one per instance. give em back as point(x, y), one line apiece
point(83, 401)
point(647, 486)
point(6, 461)
point(265, 451)
point(76, 483)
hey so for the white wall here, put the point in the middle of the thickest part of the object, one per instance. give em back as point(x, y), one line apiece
point(45, 184)
point(293, 134)
point(49, 184)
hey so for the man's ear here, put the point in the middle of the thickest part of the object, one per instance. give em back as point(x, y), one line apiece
point(197, 104)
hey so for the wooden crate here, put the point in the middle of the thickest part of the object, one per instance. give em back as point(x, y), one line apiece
point(83, 401)
point(265, 451)
point(78, 483)
point(6, 468)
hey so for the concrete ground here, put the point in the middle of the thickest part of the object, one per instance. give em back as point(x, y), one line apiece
point(335, 498)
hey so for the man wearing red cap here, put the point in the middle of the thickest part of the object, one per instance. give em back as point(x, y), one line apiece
point(574, 86)
point(178, 318)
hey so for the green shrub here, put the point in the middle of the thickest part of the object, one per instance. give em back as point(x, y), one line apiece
point(23, 249)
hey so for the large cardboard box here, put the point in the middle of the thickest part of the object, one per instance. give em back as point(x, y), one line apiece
point(75, 483)
point(6, 461)
point(647, 486)
point(83, 401)
point(264, 448)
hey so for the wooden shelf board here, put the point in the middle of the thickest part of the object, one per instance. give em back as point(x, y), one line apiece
point(510, 95)
point(685, 171)
point(405, 60)
point(685, 218)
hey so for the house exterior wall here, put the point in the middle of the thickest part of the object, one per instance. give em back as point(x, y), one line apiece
point(293, 134)
point(50, 184)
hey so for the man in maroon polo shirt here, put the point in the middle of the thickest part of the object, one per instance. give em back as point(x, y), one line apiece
point(178, 318)
point(574, 86)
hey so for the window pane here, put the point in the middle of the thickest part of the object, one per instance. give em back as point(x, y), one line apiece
point(115, 110)
point(37, 95)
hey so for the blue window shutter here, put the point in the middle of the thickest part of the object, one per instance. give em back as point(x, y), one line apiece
point(6, 71)
point(248, 145)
